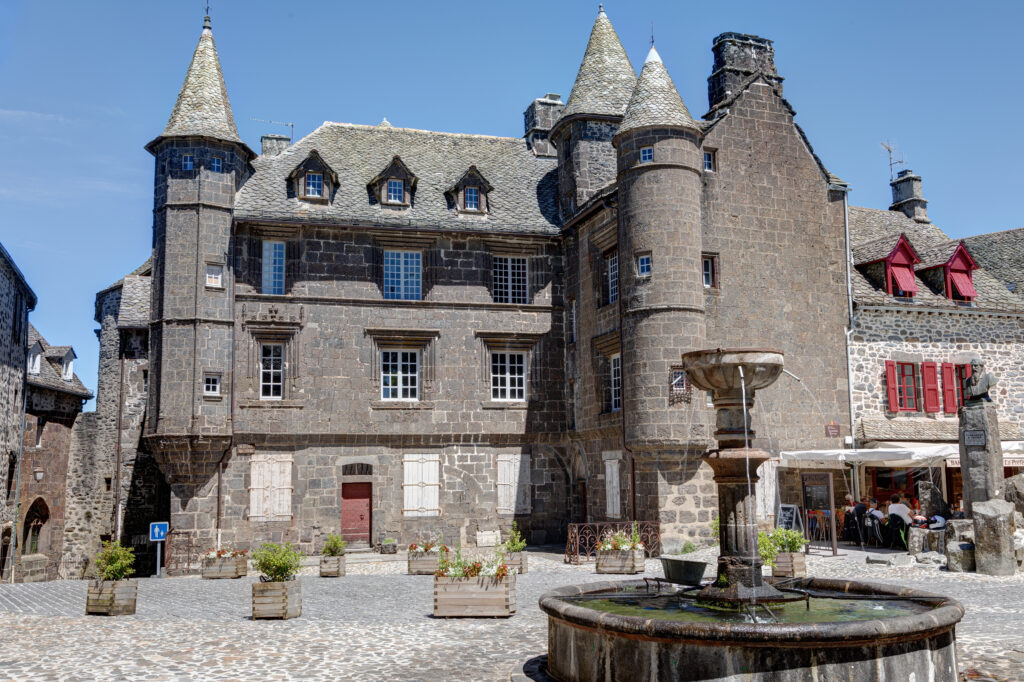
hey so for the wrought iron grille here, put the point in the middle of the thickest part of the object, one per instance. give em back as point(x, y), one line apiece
point(583, 538)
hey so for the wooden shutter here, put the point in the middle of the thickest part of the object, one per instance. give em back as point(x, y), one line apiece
point(949, 387)
point(280, 488)
point(524, 481)
point(258, 485)
point(930, 382)
point(506, 484)
point(422, 485)
point(413, 500)
point(611, 487)
point(890, 383)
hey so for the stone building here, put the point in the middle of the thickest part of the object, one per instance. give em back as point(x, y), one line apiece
point(16, 300)
point(398, 333)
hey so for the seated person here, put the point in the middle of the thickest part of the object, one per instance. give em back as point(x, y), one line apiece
point(903, 511)
point(873, 509)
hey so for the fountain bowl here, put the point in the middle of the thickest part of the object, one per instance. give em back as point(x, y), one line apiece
point(718, 369)
point(585, 644)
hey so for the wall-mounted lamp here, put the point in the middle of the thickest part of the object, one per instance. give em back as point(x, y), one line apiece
point(38, 473)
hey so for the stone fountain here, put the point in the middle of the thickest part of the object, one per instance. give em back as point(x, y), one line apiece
point(738, 628)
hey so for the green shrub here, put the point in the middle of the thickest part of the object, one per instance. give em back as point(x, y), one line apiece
point(279, 563)
point(515, 541)
point(767, 548)
point(115, 562)
point(388, 541)
point(714, 529)
point(688, 547)
point(788, 540)
point(334, 546)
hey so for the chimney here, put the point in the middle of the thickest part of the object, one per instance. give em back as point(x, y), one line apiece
point(738, 56)
point(907, 196)
point(538, 120)
point(274, 144)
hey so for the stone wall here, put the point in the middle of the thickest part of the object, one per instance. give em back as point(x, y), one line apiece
point(586, 162)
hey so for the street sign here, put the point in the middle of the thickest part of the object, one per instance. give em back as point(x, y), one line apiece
point(158, 531)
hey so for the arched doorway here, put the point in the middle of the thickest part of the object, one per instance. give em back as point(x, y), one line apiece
point(36, 538)
point(5, 553)
point(578, 486)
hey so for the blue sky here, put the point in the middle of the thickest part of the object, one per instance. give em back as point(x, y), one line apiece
point(84, 85)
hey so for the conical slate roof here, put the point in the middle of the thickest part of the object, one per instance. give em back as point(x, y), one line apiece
point(203, 107)
point(655, 100)
point(606, 78)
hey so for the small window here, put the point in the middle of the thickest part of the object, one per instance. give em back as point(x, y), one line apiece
point(471, 199)
point(273, 267)
point(906, 385)
point(214, 276)
point(314, 185)
point(188, 162)
point(211, 384)
point(509, 280)
point(646, 154)
point(508, 376)
point(271, 371)
point(403, 275)
point(643, 265)
point(396, 191)
point(399, 375)
point(615, 382)
point(33, 363)
point(611, 262)
point(216, 164)
point(68, 370)
point(709, 271)
point(106, 483)
point(40, 428)
point(709, 161)
point(679, 388)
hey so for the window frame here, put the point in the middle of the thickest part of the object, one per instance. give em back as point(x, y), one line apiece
point(401, 258)
point(67, 370)
point(905, 402)
point(319, 190)
point(264, 383)
point(641, 260)
point(611, 273)
point(387, 191)
point(647, 154)
point(34, 360)
point(465, 198)
point(615, 382)
point(709, 161)
point(277, 269)
point(709, 261)
point(503, 380)
point(188, 162)
point(509, 283)
point(219, 281)
point(392, 392)
point(213, 379)
point(216, 164)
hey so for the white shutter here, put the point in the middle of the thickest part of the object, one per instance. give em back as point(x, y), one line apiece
point(422, 485)
point(611, 487)
point(524, 485)
point(506, 484)
point(257, 488)
point(281, 488)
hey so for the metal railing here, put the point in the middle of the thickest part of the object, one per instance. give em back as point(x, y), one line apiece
point(583, 538)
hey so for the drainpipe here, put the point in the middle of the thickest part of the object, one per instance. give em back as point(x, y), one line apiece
point(117, 444)
point(852, 317)
point(17, 475)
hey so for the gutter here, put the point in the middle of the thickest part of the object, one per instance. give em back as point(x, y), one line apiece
point(852, 317)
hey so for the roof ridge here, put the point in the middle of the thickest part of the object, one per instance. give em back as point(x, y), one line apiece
point(393, 128)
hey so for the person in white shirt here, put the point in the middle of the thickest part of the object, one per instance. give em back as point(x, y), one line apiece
point(901, 510)
point(873, 510)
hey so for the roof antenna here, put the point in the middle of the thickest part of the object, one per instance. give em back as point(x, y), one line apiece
point(893, 162)
point(291, 135)
point(652, 34)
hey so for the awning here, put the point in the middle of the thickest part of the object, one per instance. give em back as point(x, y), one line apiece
point(905, 278)
point(962, 282)
point(890, 453)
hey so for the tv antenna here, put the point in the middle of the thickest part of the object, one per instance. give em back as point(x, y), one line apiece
point(893, 162)
point(291, 127)
point(652, 34)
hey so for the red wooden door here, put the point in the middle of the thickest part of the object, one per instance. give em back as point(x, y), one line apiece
point(355, 511)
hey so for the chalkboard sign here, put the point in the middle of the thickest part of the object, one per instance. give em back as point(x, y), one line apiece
point(789, 517)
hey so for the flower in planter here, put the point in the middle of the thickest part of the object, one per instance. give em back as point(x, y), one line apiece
point(620, 541)
point(428, 548)
point(465, 568)
point(223, 553)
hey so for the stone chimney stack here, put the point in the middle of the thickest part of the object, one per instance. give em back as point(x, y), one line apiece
point(538, 120)
point(738, 56)
point(907, 196)
point(272, 145)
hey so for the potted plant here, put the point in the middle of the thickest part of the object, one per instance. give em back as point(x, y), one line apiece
point(515, 550)
point(790, 562)
point(113, 594)
point(424, 557)
point(332, 559)
point(277, 594)
point(620, 553)
point(224, 563)
point(683, 571)
point(388, 546)
point(465, 589)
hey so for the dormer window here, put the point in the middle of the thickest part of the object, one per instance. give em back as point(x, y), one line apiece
point(396, 191)
point(948, 268)
point(902, 281)
point(890, 264)
point(961, 287)
point(69, 368)
point(33, 361)
point(314, 184)
point(470, 193)
point(472, 199)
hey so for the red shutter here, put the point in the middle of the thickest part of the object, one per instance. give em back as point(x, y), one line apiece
point(949, 387)
point(890, 383)
point(930, 379)
point(967, 371)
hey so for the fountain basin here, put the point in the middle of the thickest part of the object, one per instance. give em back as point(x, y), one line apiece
point(587, 644)
point(718, 369)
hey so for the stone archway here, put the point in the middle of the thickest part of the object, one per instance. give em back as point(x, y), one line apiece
point(578, 480)
point(36, 537)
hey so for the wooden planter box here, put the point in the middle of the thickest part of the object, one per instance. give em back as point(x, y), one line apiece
point(277, 600)
point(475, 597)
point(620, 561)
point(225, 567)
point(389, 548)
point(516, 561)
point(790, 565)
point(423, 563)
point(332, 566)
point(112, 597)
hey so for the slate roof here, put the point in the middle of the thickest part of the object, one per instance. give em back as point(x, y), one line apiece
point(655, 100)
point(51, 369)
point(606, 77)
point(1002, 254)
point(922, 429)
point(524, 198)
point(868, 225)
point(874, 250)
point(203, 108)
point(134, 308)
point(936, 255)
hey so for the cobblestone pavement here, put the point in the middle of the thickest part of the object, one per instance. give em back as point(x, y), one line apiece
point(375, 624)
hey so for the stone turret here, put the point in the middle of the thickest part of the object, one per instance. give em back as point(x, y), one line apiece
point(583, 134)
point(200, 164)
point(659, 170)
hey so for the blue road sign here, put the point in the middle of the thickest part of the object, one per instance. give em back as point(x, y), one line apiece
point(158, 531)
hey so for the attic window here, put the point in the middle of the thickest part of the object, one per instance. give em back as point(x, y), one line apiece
point(314, 185)
point(69, 369)
point(961, 288)
point(33, 362)
point(471, 199)
point(903, 284)
point(396, 191)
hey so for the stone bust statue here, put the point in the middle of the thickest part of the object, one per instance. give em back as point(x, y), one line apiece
point(977, 386)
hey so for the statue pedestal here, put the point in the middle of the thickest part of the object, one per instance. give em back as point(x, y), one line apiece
point(981, 454)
